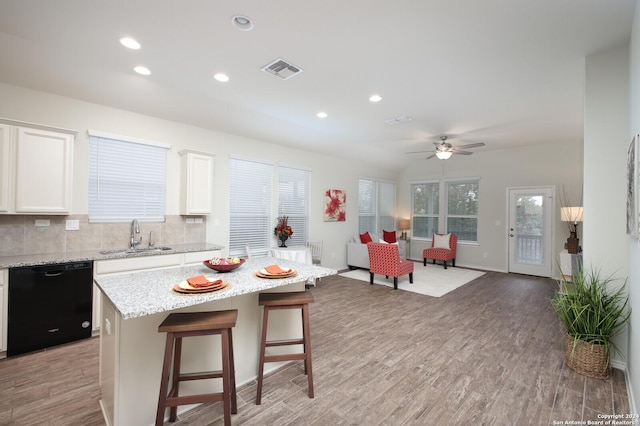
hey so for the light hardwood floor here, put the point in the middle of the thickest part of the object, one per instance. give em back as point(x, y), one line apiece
point(487, 353)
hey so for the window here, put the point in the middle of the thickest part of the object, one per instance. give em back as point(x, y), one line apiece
point(127, 179)
point(367, 206)
point(446, 206)
point(251, 199)
point(376, 206)
point(293, 201)
point(462, 209)
point(426, 209)
point(250, 206)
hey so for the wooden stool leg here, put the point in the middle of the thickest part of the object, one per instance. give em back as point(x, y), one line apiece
point(226, 380)
point(232, 375)
point(164, 382)
point(263, 345)
point(307, 347)
point(175, 382)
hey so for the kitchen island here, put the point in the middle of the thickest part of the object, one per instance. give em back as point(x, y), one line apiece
point(131, 349)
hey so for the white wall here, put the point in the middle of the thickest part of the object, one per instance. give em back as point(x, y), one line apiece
point(633, 355)
point(559, 165)
point(327, 172)
point(607, 125)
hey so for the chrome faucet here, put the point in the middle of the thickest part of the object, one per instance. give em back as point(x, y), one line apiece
point(135, 229)
point(151, 241)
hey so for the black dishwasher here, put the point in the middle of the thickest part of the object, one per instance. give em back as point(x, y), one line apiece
point(49, 305)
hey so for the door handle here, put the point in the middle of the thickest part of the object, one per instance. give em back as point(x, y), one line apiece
point(52, 274)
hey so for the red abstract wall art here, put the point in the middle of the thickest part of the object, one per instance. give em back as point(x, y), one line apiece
point(335, 202)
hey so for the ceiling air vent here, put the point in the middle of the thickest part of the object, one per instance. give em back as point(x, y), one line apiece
point(398, 120)
point(282, 69)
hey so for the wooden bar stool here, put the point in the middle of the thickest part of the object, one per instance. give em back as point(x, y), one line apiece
point(292, 300)
point(190, 324)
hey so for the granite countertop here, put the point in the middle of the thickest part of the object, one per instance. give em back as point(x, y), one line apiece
point(144, 293)
point(62, 257)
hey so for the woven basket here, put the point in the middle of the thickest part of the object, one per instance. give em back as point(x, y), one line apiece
point(588, 358)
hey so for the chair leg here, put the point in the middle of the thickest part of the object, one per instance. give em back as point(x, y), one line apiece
point(410, 277)
point(371, 278)
point(453, 262)
point(434, 261)
point(445, 264)
point(395, 283)
point(424, 261)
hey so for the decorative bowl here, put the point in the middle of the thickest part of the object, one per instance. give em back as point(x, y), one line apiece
point(222, 267)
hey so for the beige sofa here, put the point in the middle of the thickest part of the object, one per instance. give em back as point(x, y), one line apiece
point(358, 255)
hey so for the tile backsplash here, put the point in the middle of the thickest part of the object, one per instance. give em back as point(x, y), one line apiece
point(20, 235)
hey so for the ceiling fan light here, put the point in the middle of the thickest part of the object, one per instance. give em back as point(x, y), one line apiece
point(444, 155)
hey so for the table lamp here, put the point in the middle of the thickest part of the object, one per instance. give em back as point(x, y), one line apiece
point(403, 225)
point(573, 215)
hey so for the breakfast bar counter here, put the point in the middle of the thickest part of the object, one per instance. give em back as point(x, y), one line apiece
point(131, 349)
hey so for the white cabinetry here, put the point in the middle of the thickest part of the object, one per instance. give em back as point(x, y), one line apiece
point(36, 174)
point(4, 308)
point(5, 175)
point(196, 192)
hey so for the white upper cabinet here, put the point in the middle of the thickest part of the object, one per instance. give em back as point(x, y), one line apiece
point(196, 192)
point(37, 178)
point(5, 174)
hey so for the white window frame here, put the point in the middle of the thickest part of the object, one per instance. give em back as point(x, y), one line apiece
point(443, 213)
point(251, 222)
point(127, 178)
point(447, 184)
point(294, 194)
point(381, 210)
point(435, 215)
point(250, 211)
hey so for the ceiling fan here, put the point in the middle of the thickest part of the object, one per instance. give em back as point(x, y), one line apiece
point(444, 150)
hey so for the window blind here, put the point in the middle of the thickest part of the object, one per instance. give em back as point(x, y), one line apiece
point(127, 180)
point(387, 208)
point(293, 201)
point(376, 206)
point(250, 206)
point(367, 201)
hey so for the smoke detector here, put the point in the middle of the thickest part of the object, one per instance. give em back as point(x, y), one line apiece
point(282, 69)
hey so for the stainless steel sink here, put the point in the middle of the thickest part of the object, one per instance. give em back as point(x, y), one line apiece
point(136, 250)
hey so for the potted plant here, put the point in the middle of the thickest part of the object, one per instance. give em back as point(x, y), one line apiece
point(283, 231)
point(592, 311)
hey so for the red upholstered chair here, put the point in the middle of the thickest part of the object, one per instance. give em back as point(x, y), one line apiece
point(385, 259)
point(439, 250)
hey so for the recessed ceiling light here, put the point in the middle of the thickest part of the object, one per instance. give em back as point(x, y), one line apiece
point(142, 70)
point(221, 77)
point(130, 43)
point(375, 98)
point(322, 114)
point(241, 22)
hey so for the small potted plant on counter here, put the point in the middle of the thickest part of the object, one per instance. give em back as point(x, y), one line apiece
point(592, 310)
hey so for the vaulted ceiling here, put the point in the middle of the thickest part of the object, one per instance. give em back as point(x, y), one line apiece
point(502, 72)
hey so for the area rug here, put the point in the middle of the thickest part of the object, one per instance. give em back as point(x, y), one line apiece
point(431, 280)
